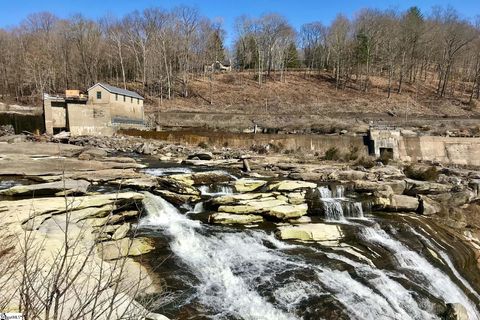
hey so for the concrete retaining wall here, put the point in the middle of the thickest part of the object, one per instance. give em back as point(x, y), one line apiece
point(448, 150)
point(314, 143)
point(89, 120)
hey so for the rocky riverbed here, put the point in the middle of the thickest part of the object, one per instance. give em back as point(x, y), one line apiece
point(104, 190)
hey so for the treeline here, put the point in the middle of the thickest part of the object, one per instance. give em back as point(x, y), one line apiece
point(159, 51)
point(401, 47)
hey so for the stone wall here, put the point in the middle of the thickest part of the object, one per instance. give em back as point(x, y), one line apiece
point(89, 120)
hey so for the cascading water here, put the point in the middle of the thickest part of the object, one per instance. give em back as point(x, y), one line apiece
point(214, 259)
point(159, 172)
point(336, 206)
point(216, 190)
point(249, 274)
point(420, 270)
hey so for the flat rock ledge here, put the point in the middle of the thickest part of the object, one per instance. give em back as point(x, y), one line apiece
point(310, 232)
point(229, 218)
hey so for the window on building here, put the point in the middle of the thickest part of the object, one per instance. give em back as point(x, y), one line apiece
point(138, 101)
point(124, 99)
point(99, 94)
point(116, 97)
point(131, 100)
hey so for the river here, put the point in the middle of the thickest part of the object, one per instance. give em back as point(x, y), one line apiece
point(388, 266)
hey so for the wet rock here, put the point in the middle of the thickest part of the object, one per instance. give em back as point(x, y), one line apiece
point(291, 185)
point(201, 156)
point(248, 185)
point(66, 186)
point(112, 250)
point(228, 218)
point(456, 311)
point(310, 232)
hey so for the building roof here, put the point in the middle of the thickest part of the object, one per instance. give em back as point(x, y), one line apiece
point(116, 90)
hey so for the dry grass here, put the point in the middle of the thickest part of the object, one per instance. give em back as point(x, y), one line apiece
point(314, 94)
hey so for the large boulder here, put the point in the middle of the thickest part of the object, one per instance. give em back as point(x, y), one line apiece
point(310, 232)
point(248, 185)
point(229, 218)
point(291, 185)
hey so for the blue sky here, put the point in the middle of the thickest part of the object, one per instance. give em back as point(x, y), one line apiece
point(297, 11)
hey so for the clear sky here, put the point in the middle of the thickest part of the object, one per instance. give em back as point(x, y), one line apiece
point(297, 11)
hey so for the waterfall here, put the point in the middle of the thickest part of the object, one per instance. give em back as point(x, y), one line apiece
point(249, 274)
point(216, 190)
point(214, 260)
point(198, 208)
point(421, 271)
point(336, 206)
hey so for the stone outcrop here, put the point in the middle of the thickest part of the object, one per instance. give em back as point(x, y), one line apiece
point(248, 185)
point(64, 187)
point(291, 185)
point(111, 250)
point(310, 232)
point(229, 218)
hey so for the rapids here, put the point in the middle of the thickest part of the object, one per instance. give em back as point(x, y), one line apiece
point(384, 268)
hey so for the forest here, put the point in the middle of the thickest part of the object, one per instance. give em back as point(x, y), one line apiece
point(158, 52)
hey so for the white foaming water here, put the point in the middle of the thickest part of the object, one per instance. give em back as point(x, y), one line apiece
point(218, 190)
point(336, 206)
point(433, 279)
point(449, 262)
point(159, 172)
point(231, 266)
point(198, 208)
point(213, 259)
point(401, 302)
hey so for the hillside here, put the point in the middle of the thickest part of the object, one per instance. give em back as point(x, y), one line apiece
point(304, 100)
